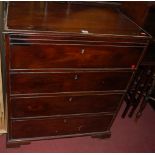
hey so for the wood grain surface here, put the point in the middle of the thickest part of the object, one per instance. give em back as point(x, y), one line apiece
point(58, 49)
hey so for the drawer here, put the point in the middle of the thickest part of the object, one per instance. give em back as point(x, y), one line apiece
point(59, 126)
point(61, 105)
point(55, 82)
point(35, 56)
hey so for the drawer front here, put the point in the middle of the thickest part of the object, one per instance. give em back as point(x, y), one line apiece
point(59, 126)
point(60, 105)
point(25, 83)
point(34, 56)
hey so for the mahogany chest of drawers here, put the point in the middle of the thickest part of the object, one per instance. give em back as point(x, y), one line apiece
point(68, 67)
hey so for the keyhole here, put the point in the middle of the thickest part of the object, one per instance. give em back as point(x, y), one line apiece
point(76, 77)
point(70, 99)
point(82, 51)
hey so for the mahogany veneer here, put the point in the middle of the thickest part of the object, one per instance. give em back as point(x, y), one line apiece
point(59, 126)
point(64, 104)
point(73, 56)
point(54, 82)
point(68, 67)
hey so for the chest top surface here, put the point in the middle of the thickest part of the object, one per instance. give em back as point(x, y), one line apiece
point(63, 17)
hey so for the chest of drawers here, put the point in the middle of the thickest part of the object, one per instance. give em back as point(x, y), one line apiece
point(68, 67)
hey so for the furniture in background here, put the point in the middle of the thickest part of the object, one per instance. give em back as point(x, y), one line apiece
point(141, 90)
